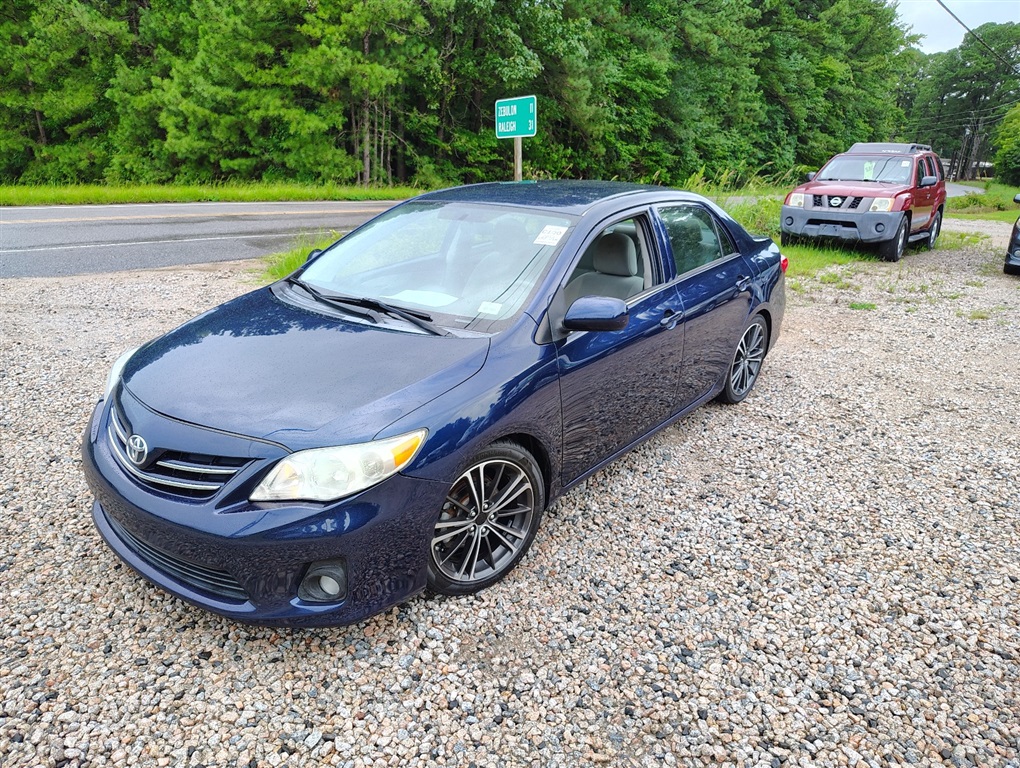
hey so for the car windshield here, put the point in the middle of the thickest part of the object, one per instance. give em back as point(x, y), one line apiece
point(864, 168)
point(465, 266)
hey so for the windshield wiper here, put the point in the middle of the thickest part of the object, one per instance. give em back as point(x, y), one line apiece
point(417, 319)
point(325, 298)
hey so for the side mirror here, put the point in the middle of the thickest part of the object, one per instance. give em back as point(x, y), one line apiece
point(313, 253)
point(810, 175)
point(596, 313)
point(929, 181)
point(1016, 199)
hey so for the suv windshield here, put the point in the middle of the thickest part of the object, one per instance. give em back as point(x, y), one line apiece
point(867, 168)
point(465, 266)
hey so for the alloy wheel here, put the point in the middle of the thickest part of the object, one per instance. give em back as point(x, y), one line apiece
point(486, 523)
point(747, 360)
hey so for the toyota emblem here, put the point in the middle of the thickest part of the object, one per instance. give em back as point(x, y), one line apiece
point(835, 202)
point(137, 450)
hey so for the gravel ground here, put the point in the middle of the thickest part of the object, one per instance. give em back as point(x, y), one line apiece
point(824, 575)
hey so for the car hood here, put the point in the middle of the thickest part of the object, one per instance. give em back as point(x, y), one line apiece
point(259, 367)
point(852, 188)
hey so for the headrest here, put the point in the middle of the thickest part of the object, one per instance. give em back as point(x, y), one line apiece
point(615, 255)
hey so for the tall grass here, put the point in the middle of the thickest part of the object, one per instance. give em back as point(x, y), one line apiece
point(97, 194)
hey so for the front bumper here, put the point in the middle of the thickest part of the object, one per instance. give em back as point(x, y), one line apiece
point(246, 561)
point(854, 226)
point(1012, 265)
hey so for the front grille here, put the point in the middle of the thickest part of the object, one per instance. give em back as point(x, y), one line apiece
point(211, 580)
point(855, 202)
point(192, 475)
point(817, 200)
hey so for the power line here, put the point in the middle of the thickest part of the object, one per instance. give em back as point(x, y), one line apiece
point(976, 37)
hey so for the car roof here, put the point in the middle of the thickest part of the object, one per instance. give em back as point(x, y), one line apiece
point(886, 148)
point(569, 196)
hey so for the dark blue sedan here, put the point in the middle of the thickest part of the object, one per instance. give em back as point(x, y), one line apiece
point(397, 414)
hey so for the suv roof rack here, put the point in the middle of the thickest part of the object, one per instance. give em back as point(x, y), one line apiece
point(888, 148)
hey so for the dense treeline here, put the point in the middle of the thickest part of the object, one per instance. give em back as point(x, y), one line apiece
point(376, 91)
point(959, 101)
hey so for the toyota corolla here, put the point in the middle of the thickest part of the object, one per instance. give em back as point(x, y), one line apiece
point(397, 414)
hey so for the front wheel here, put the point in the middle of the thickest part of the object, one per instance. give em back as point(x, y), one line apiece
point(747, 361)
point(892, 250)
point(490, 517)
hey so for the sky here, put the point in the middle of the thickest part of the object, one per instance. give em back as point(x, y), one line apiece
point(941, 30)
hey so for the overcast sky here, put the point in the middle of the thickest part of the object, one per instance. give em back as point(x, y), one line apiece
point(941, 31)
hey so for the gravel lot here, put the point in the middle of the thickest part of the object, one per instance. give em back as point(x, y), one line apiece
point(824, 575)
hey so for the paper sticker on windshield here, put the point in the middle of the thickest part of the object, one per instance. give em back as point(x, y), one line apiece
point(489, 308)
point(904, 164)
point(550, 235)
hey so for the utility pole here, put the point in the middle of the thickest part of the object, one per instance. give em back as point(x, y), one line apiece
point(975, 148)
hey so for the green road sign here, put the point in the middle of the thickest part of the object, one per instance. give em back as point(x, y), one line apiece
point(516, 117)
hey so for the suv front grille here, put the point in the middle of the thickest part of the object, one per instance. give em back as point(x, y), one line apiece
point(192, 475)
point(846, 202)
point(211, 580)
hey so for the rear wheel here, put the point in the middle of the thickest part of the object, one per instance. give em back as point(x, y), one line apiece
point(490, 517)
point(934, 230)
point(747, 360)
point(892, 250)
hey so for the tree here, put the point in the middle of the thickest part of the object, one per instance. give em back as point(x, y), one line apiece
point(1007, 139)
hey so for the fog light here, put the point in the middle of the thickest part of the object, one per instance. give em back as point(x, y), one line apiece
point(325, 582)
point(789, 221)
point(880, 227)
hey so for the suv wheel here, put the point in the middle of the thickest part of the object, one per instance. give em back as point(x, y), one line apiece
point(892, 250)
point(934, 230)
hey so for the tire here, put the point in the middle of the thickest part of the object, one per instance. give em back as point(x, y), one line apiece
point(785, 239)
point(490, 517)
point(892, 250)
point(747, 361)
point(934, 230)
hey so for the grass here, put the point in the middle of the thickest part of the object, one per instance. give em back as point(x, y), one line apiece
point(97, 194)
point(996, 203)
point(863, 305)
point(278, 265)
point(809, 260)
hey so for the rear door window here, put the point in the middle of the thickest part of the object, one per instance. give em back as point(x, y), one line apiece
point(694, 237)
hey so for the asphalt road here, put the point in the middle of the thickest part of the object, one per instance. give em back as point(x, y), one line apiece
point(46, 241)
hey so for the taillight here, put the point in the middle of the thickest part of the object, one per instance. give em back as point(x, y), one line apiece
point(783, 263)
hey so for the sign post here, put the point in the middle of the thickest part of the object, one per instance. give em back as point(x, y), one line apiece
point(515, 119)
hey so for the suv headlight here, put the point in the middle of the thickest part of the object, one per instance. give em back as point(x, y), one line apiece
point(326, 474)
point(881, 204)
point(795, 200)
point(116, 371)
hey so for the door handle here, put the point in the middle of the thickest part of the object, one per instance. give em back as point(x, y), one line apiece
point(743, 283)
point(670, 319)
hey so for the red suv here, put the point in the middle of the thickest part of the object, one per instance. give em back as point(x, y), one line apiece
point(889, 194)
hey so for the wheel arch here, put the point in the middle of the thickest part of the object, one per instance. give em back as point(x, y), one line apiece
point(538, 452)
point(767, 317)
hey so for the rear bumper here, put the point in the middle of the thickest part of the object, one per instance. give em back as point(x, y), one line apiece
point(853, 226)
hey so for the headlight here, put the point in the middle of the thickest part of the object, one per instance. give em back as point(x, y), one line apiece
point(116, 371)
point(325, 474)
point(795, 200)
point(881, 204)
